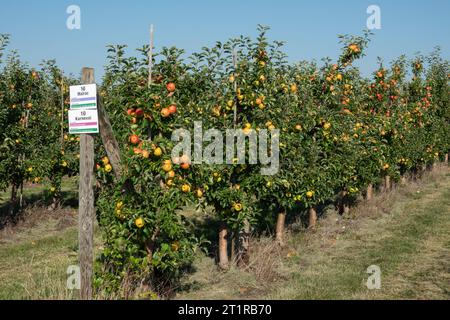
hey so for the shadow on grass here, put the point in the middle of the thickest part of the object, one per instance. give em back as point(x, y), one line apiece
point(12, 213)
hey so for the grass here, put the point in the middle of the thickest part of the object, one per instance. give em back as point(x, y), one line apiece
point(37, 269)
point(405, 233)
point(412, 235)
point(36, 251)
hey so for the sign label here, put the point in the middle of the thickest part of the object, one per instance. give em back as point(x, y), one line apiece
point(83, 96)
point(83, 117)
point(83, 121)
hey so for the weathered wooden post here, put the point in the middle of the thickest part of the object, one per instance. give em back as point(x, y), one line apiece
point(387, 184)
point(223, 247)
point(280, 226)
point(108, 139)
point(312, 217)
point(369, 192)
point(86, 117)
point(86, 211)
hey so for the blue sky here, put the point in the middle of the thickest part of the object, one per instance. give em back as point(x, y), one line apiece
point(38, 28)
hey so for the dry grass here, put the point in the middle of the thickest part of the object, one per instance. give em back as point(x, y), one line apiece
point(404, 231)
point(37, 220)
point(249, 282)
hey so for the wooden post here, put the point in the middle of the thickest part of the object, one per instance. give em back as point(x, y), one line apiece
point(86, 204)
point(446, 158)
point(62, 111)
point(369, 193)
point(403, 179)
point(244, 245)
point(150, 57)
point(312, 217)
point(279, 231)
point(13, 201)
point(108, 139)
point(387, 183)
point(23, 157)
point(223, 247)
point(235, 89)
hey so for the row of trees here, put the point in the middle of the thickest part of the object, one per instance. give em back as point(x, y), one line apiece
point(341, 135)
point(34, 145)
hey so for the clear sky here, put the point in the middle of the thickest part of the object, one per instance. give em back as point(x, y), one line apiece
point(38, 28)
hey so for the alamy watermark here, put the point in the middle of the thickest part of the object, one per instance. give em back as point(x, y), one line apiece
point(73, 22)
point(73, 277)
point(374, 20)
point(374, 280)
point(235, 141)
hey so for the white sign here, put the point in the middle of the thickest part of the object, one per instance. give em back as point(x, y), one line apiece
point(83, 97)
point(83, 121)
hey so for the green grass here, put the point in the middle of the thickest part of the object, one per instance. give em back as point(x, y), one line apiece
point(35, 253)
point(37, 268)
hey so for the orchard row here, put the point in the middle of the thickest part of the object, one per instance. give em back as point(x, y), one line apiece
point(341, 136)
point(34, 145)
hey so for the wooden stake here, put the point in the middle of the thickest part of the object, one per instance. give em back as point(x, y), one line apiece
point(235, 89)
point(243, 257)
point(108, 139)
point(403, 179)
point(369, 193)
point(223, 247)
point(387, 183)
point(312, 217)
point(150, 57)
point(279, 231)
point(22, 158)
point(86, 204)
point(232, 237)
point(62, 110)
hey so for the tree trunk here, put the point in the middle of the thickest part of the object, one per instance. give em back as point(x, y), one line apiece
point(446, 158)
point(312, 217)
point(21, 197)
point(13, 201)
point(13, 193)
point(55, 203)
point(403, 179)
point(345, 208)
point(223, 247)
point(343, 205)
point(434, 167)
point(150, 245)
point(369, 193)
point(243, 257)
point(232, 238)
point(279, 231)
